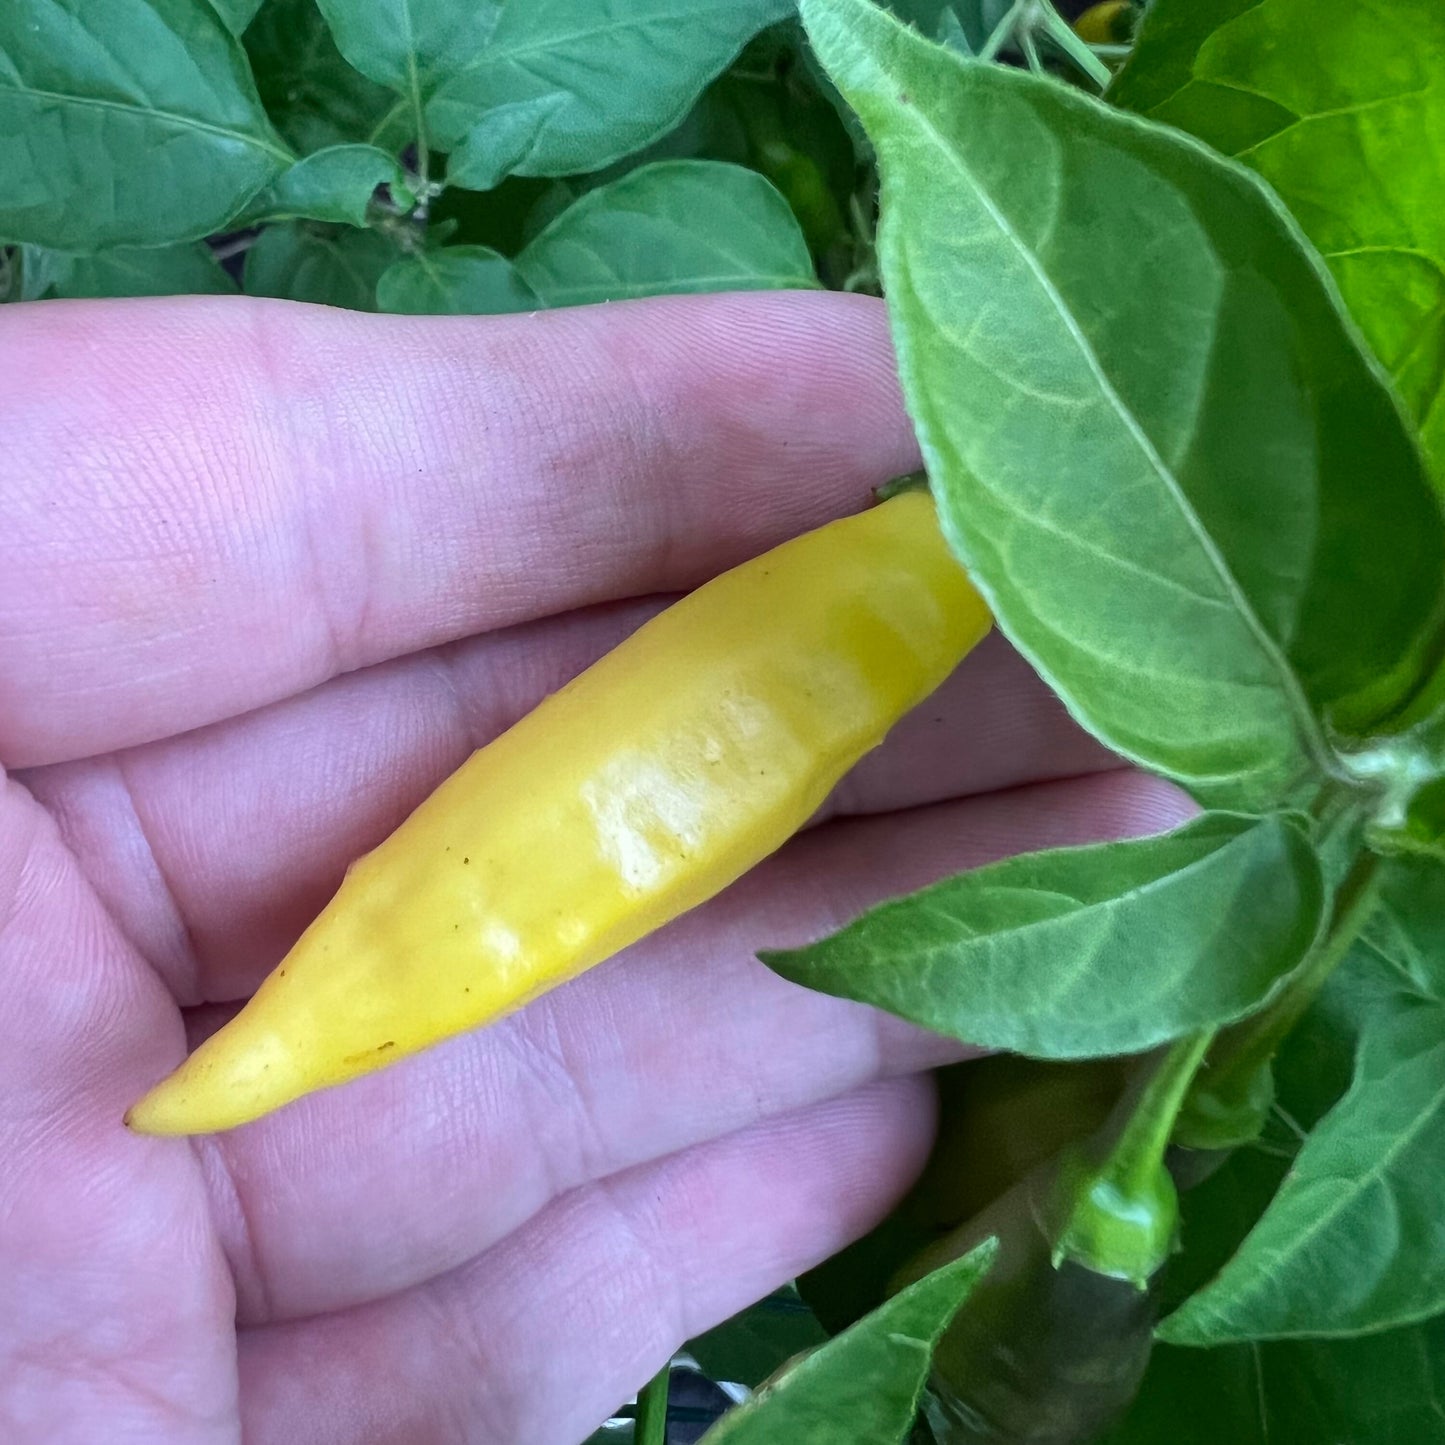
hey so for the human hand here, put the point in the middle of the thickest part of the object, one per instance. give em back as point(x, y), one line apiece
point(267, 574)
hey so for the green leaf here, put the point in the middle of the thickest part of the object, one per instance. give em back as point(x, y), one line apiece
point(128, 122)
point(314, 97)
point(299, 263)
point(758, 1341)
point(1407, 928)
point(1146, 419)
point(454, 280)
point(189, 269)
point(237, 14)
point(669, 227)
point(1341, 107)
point(971, 21)
point(1192, 1397)
point(409, 46)
point(406, 45)
point(569, 85)
point(863, 1386)
point(334, 184)
point(1382, 1390)
point(1355, 1239)
point(1111, 948)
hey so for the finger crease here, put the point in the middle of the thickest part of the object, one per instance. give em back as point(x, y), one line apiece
point(187, 955)
point(240, 1244)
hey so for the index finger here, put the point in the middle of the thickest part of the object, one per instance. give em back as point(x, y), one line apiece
point(213, 503)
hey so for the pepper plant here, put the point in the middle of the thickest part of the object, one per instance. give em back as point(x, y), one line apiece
point(1168, 295)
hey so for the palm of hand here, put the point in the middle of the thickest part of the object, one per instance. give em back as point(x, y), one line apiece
point(244, 539)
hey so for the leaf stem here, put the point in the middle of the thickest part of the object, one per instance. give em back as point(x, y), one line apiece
point(1031, 51)
point(651, 1428)
point(1003, 32)
point(1119, 1213)
point(1249, 1046)
point(1139, 1149)
point(1062, 34)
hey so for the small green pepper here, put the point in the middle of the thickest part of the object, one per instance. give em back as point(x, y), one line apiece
point(1051, 1345)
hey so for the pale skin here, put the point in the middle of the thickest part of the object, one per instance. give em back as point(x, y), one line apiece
point(267, 573)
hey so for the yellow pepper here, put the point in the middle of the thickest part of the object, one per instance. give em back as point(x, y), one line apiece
point(1108, 23)
point(642, 788)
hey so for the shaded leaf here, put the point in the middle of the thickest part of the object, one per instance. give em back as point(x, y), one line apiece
point(312, 95)
point(1342, 109)
point(566, 85)
point(961, 24)
point(299, 263)
point(864, 1385)
point(1145, 418)
point(334, 184)
point(189, 269)
point(1407, 928)
point(1111, 948)
point(237, 14)
point(128, 122)
point(27, 272)
point(757, 1341)
point(1382, 1390)
point(454, 280)
point(673, 226)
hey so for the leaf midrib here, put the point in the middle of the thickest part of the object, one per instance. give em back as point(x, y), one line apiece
point(1305, 720)
point(503, 55)
point(129, 108)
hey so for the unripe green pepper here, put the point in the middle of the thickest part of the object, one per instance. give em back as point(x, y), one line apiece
point(1050, 1346)
point(999, 1118)
point(1045, 1351)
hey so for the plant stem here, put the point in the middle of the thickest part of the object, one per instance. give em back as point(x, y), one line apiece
point(1116, 1207)
point(1003, 32)
point(651, 1428)
point(1031, 51)
point(1138, 1152)
point(1250, 1045)
point(1061, 33)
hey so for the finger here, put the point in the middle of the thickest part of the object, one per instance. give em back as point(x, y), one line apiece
point(358, 1192)
point(216, 848)
point(115, 1301)
point(216, 502)
point(541, 1337)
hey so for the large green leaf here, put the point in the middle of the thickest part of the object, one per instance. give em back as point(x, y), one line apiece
point(454, 280)
point(126, 122)
point(1355, 1239)
point(570, 85)
point(668, 227)
point(1341, 106)
point(410, 46)
point(1112, 948)
point(1383, 1390)
point(312, 95)
point(863, 1387)
point(300, 263)
point(1189, 497)
point(332, 184)
point(189, 269)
